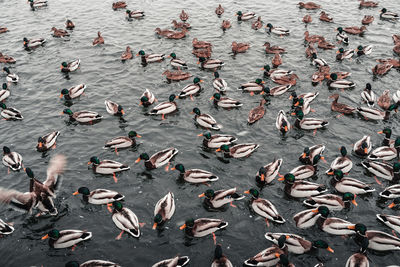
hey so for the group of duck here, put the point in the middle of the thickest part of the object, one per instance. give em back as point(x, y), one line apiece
point(41, 195)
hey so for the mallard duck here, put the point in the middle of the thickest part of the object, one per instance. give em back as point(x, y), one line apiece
point(225, 102)
point(282, 123)
point(202, 226)
point(114, 108)
point(220, 260)
point(239, 47)
point(217, 199)
point(306, 218)
point(361, 50)
point(252, 87)
point(347, 184)
point(176, 75)
point(307, 19)
point(127, 54)
point(276, 90)
point(375, 114)
point(165, 108)
point(3, 29)
point(277, 60)
point(392, 191)
point(125, 220)
point(219, 10)
point(318, 62)
point(210, 64)
point(368, 96)
point(69, 25)
point(83, 116)
point(385, 14)
point(368, 19)
point(226, 24)
point(299, 188)
point(333, 225)
point(273, 49)
point(147, 98)
point(99, 196)
point(191, 89)
point(238, 151)
point(6, 59)
point(288, 79)
point(12, 160)
point(310, 50)
point(205, 120)
point(164, 209)
point(92, 263)
point(363, 146)
point(200, 44)
point(333, 202)
point(73, 92)
point(66, 238)
point(158, 159)
point(118, 5)
point(245, 16)
point(70, 66)
point(184, 16)
point(47, 141)
point(391, 221)
point(33, 43)
point(178, 261)
point(343, 54)
point(180, 25)
point(4, 93)
point(277, 30)
point(341, 36)
point(107, 167)
point(195, 176)
point(176, 62)
point(306, 171)
point(297, 244)
point(308, 123)
point(136, 14)
point(9, 113)
point(122, 141)
point(306, 96)
point(325, 17)
point(309, 153)
point(309, 5)
point(21, 201)
point(257, 24)
point(217, 140)
point(59, 32)
point(381, 69)
point(11, 77)
point(264, 207)
point(303, 105)
point(267, 257)
point(386, 153)
point(391, 61)
point(151, 57)
point(219, 84)
point(257, 113)
point(313, 38)
point(342, 163)
point(5, 228)
point(378, 240)
point(317, 77)
point(364, 3)
point(384, 100)
point(334, 83)
point(340, 107)
point(388, 133)
point(359, 259)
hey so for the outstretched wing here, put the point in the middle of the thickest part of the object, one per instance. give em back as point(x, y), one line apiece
point(56, 167)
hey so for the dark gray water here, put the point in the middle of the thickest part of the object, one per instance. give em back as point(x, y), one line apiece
point(36, 95)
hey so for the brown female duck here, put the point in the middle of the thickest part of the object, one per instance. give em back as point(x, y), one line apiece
point(257, 24)
point(382, 69)
point(273, 49)
point(184, 16)
point(384, 100)
point(355, 30)
point(200, 44)
point(325, 45)
point(339, 107)
point(364, 3)
point(287, 79)
point(205, 52)
point(257, 113)
point(98, 40)
point(176, 75)
point(396, 49)
point(3, 29)
point(59, 32)
point(177, 35)
point(239, 47)
point(309, 5)
point(325, 17)
point(69, 25)
point(165, 32)
point(127, 54)
point(313, 38)
point(307, 19)
point(367, 20)
point(277, 60)
point(6, 59)
point(310, 50)
point(219, 10)
point(119, 5)
point(180, 25)
point(391, 61)
point(317, 77)
point(226, 24)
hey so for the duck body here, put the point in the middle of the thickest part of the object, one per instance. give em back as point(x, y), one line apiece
point(85, 116)
point(4, 93)
point(210, 64)
point(147, 98)
point(127, 54)
point(121, 142)
point(92, 263)
point(220, 84)
point(11, 77)
point(178, 261)
point(240, 150)
point(381, 241)
point(47, 141)
point(383, 153)
point(306, 218)
point(371, 113)
point(333, 202)
point(277, 30)
point(382, 170)
point(266, 209)
point(300, 189)
point(196, 176)
point(164, 209)
point(109, 167)
point(220, 260)
point(342, 163)
point(391, 221)
point(11, 159)
point(307, 157)
point(252, 87)
point(256, 113)
point(385, 14)
point(101, 196)
point(5, 228)
point(207, 121)
point(165, 108)
point(368, 96)
point(226, 102)
point(68, 238)
point(267, 257)
point(135, 14)
point(160, 158)
point(340, 107)
point(352, 185)
point(282, 123)
point(220, 198)
point(310, 123)
point(391, 192)
point(10, 113)
point(74, 92)
point(217, 140)
point(33, 43)
point(127, 221)
point(113, 108)
point(203, 227)
point(245, 16)
point(71, 66)
point(190, 90)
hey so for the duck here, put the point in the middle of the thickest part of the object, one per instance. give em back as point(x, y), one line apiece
point(333, 202)
point(309, 5)
point(361, 50)
point(355, 30)
point(158, 159)
point(386, 153)
point(177, 34)
point(217, 199)
point(344, 54)
point(396, 49)
point(385, 14)
point(306, 171)
point(384, 100)
point(4, 93)
point(388, 133)
point(83, 116)
point(334, 83)
point(225, 102)
point(340, 107)
point(257, 113)
point(127, 54)
point(264, 207)
point(277, 30)
point(325, 17)
point(70, 66)
point(164, 209)
point(202, 52)
point(307, 19)
point(9, 113)
point(309, 153)
point(267, 257)
point(391, 192)
point(205, 120)
point(281, 76)
point(176, 62)
point(368, 19)
point(184, 16)
point(333, 225)
point(6, 59)
point(300, 188)
point(150, 58)
point(180, 25)
point(276, 90)
point(351, 185)
point(73, 92)
point(122, 141)
point(92, 263)
point(203, 226)
point(165, 108)
point(136, 14)
point(226, 24)
point(245, 16)
point(312, 38)
point(219, 84)
point(376, 114)
point(282, 123)
point(11, 77)
point(21, 201)
point(125, 220)
point(396, 39)
point(391, 221)
point(368, 96)
point(59, 32)
point(220, 259)
point(107, 167)
point(360, 258)
point(308, 123)
point(99, 196)
point(5, 228)
point(200, 44)
point(342, 163)
point(118, 5)
point(164, 32)
point(341, 36)
point(306, 218)
point(69, 25)
point(47, 142)
point(364, 3)
point(238, 151)
point(257, 24)
point(381, 69)
point(66, 238)
point(318, 62)
point(195, 176)
point(363, 146)
point(303, 105)
point(178, 261)
point(273, 49)
point(268, 173)
point(3, 29)
point(252, 87)
point(176, 75)
point(306, 96)
point(378, 240)
point(11, 159)
point(217, 140)
point(391, 61)
point(37, 4)
point(33, 43)
point(191, 89)
point(219, 10)
point(277, 60)
point(239, 47)
point(210, 63)
point(396, 201)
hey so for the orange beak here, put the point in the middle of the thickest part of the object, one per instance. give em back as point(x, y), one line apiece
point(141, 103)
point(351, 227)
point(212, 98)
point(290, 97)
point(262, 177)
point(89, 163)
point(293, 114)
point(366, 150)
point(286, 129)
point(137, 54)
point(392, 205)
point(262, 92)
point(138, 136)
point(61, 67)
point(154, 226)
point(191, 112)
point(45, 237)
point(75, 193)
point(330, 250)
point(182, 227)
point(315, 211)
point(354, 202)
point(380, 132)
point(338, 52)
point(198, 62)
point(247, 192)
point(297, 103)
point(61, 96)
point(262, 82)
point(200, 134)
point(303, 156)
point(202, 195)
point(277, 255)
point(173, 169)
point(218, 150)
point(40, 145)
point(123, 112)
point(281, 179)
point(323, 159)
point(262, 69)
point(330, 173)
point(138, 160)
point(201, 81)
